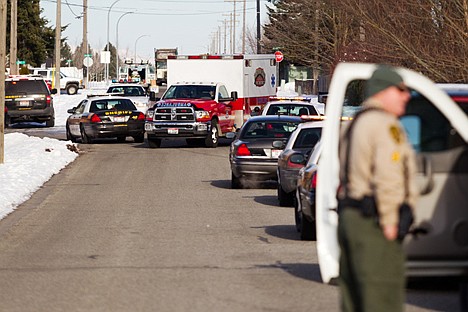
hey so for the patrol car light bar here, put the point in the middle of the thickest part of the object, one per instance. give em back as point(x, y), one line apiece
point(205, 57)
point(290, 98)
point(320, 118)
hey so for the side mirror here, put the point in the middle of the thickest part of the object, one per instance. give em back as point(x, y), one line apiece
point(152, 96)
point(298, 159)
point(255, 112)
point(234, 95)
point(279, 144)
point(231, 135)
point(53, 91)
point(71, 110)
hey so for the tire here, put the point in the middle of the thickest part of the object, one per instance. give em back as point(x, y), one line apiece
point(285, 199)
point(121, 139)
point(72, 89)
point(235, 182)
point(297, 211)
point(212, 137)
point(307, 229)
point(70, 137)
point(51, 122)
point(154, 143)
point(85, 139)
point(139, 138)
point(463, 295)
point(7, 121)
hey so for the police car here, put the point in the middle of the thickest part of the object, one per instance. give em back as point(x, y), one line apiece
point(134, 91)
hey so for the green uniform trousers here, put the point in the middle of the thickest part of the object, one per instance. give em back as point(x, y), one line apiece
point(372, 276)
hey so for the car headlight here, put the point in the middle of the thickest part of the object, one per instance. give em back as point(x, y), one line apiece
point(202, 115)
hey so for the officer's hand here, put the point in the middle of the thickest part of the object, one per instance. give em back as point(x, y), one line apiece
point(390, 232)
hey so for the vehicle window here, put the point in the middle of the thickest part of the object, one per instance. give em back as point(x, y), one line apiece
point(307, 138)
point(112, 104)
point(291, 110)
point(270, 129)
point(433, 128)
point(26, 87)
point(223, 93)
point(81, 106)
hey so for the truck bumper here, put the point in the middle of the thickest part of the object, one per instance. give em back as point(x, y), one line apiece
point(181, 130)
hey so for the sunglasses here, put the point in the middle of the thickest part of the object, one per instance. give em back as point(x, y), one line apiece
point(402, 88)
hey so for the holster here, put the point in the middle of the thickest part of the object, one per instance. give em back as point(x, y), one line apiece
point(367, 206)
point(405, 221)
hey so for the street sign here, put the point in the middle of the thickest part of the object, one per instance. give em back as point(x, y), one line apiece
point(88, 61)
point(89, 55)
point(278, 56)
point(105, 57)
point(20, 62)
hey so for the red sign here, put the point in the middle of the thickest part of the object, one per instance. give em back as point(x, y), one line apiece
point(278, 56)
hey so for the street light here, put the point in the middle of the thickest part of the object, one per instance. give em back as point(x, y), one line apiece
point(136, 45)
point(107, 45)
point(117, 44)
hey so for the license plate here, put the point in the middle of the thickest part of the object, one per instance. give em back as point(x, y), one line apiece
point(147, 127)
point(24, 103)
point(172, 131)
point(119, 119)
point(275, 153)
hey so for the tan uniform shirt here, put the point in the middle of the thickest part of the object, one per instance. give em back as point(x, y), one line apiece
point(378, 153)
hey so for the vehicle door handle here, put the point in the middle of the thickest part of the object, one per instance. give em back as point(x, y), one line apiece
point(427, 172)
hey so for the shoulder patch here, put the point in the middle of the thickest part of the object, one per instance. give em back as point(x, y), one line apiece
point(396, 134)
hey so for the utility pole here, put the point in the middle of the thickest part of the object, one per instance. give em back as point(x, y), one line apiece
point(259, 48)
point(3, 17)
point(243, 29)
point(13, 37)
point(58, 35)
point(85, 40)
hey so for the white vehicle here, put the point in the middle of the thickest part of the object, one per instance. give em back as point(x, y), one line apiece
point(254, 77)
point(160, 59)
point(70, 84)
point(438, 130)
point(292, 106)
point(134, 91)
point(142, 73)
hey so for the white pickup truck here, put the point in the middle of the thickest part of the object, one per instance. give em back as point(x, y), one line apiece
point(70, 84)
point(437, 127)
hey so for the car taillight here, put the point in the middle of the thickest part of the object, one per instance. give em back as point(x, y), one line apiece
point(294, 165)
point(313, 181)
point(243, 150)
point(48, 99)
point(141, 116)
point(95, 118)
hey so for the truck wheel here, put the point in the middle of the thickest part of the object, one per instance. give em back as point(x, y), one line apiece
point(139, 138)
point(213, 136)
point(154, 143)
point(235, 182)
point(51, 122)
point(85, 139)
point(72, 89)
point(121, 139)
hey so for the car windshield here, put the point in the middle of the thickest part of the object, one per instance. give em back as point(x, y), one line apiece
point(291, 109)
point(112, 104)
point(25, 87)
point(127, 90)
point(269, 129)
point(190, 92)
point(307, 138)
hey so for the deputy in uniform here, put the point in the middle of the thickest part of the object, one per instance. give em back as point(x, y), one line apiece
point(377, 175)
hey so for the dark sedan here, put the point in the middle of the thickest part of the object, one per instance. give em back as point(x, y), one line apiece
point(105, 117)
point(304, 203)
point(254, 152)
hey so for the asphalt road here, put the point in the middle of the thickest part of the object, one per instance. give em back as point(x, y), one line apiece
point(128, 228)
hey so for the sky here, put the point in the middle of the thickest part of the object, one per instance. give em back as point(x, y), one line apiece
point(189, 25)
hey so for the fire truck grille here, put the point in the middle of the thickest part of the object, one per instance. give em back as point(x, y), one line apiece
point(174, 114)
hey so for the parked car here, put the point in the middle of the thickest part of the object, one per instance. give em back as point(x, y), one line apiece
point(437, 127)
point(134, 91)
point(293, 157)
point(304, 201)
point(291, 106)
point(254, 152)
point(70, 84)
point(27, 98)
point(105, 117)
